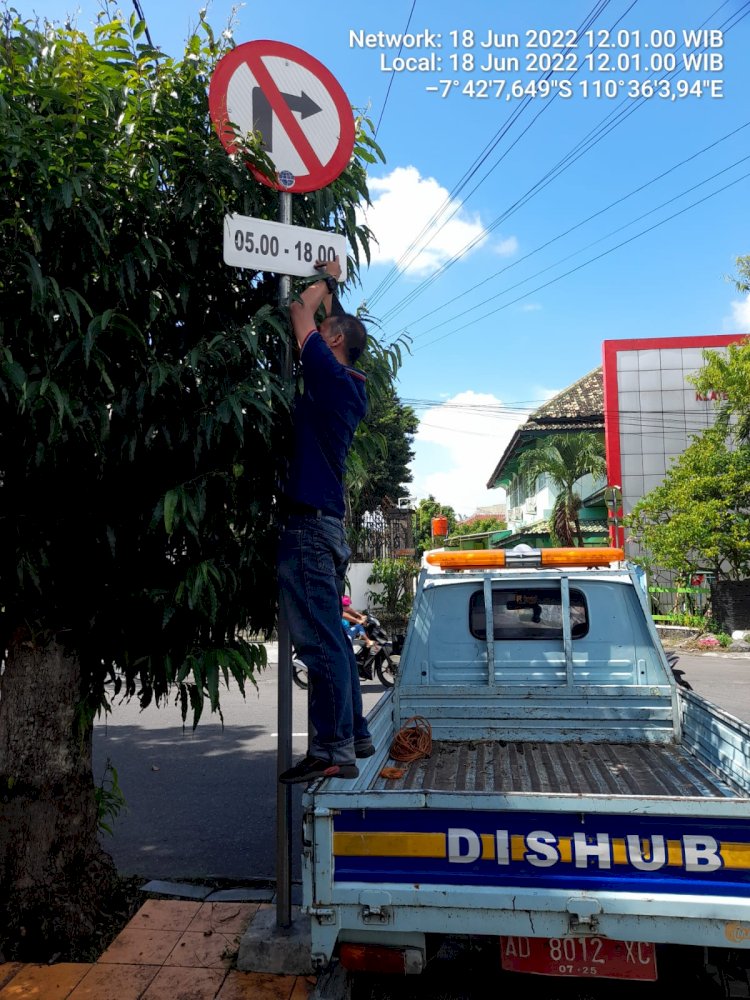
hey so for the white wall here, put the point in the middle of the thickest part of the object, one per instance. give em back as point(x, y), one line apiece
point(357, 585)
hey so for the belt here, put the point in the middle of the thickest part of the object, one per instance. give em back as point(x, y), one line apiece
point(306, 509)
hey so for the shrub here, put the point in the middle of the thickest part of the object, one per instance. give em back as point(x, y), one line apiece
point(395, 578)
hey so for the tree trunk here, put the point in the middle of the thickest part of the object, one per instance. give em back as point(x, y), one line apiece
point(53, 873)
point(561, 521)
point(579, 533)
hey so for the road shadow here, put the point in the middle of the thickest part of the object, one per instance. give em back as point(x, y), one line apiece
point(679, 675)
point(200, 804)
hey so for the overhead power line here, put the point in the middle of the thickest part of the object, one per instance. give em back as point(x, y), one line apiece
point(578, 225)
point(592, 138)
point(612, 232)
point(670, 421)
point(665, 423)
point(139, 12)
point(592, 260)
point(393, 274)
point(393, 75)
point(477, 240)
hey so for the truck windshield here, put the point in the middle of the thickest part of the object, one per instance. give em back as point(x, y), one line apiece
point(528, 613)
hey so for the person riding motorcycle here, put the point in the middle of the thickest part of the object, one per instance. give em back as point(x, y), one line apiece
point(372, 645)
point(354, 623)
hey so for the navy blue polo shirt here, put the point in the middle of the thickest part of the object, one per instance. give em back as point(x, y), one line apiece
point(326, 415)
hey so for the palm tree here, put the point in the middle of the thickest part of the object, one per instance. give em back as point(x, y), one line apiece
point(565, 458)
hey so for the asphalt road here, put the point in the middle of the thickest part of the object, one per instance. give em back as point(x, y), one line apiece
point(719, 678)
point(202, 804)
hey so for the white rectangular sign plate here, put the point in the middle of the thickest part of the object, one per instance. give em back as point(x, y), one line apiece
point(273, 246)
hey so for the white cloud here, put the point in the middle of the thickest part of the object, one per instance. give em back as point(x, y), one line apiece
point(739, 321)
point(543, 393)
point(457, 447)
point(530, 307)
point(506, 248)
point(403, 203)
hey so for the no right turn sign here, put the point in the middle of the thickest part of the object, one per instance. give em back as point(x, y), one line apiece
point(294, 102)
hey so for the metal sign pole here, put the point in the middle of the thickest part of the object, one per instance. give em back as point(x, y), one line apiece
point(237, 106)
point(284, 708)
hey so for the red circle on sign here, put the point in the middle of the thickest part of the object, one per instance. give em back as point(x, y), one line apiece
point(251, 56)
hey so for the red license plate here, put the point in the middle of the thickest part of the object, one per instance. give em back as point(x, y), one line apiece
point(579, 956)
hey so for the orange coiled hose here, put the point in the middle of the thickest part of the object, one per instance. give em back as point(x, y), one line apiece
point(413, 740)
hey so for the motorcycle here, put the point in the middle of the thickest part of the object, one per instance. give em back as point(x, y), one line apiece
point(371, 663)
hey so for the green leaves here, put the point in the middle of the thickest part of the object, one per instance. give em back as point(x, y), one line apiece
point(143, 415)
point(395, 586)
point(170, 506)
point(699, 518)
point(566, 458)
point(725, 381)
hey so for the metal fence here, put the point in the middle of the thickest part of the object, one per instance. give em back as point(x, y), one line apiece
point(382, 534)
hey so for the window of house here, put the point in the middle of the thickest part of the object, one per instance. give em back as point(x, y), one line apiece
point(528, 613)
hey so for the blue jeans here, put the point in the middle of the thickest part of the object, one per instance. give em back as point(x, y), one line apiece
point(313, 557)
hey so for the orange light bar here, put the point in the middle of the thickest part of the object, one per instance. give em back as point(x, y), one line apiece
point(469, 559)
point(581, 557)
point(499, 558)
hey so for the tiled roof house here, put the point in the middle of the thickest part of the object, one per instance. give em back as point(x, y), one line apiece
point(578, 408)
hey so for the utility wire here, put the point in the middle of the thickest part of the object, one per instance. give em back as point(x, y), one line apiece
point(599, 133)
point(658, 422)
point(572, 229)
point(393, 75)
point(413, 250)
point(457, 206)
point(665, 420)
point(393, 274)
point(584, 145)
point(562, 260)
point(592, 260)
point(139, 12)
point(670, 421)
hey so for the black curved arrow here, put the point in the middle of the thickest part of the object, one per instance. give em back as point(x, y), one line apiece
point(263, 112)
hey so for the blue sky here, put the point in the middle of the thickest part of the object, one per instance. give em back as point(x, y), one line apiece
point(482, 354)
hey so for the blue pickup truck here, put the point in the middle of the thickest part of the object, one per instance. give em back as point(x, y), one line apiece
point(576, 807)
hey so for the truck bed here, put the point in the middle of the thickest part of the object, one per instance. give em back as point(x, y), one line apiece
point(561, 768)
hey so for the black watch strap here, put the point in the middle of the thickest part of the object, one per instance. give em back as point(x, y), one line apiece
point(331, 283)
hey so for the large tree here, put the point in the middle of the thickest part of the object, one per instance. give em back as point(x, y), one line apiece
point(426, 510)
point(478, 525)
point(566, 458)
point(143, 424)
point(383, 476)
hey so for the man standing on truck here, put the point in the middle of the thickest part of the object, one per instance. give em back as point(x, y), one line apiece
point(313, 551)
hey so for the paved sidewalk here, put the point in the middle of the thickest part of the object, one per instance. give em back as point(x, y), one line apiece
point(170, 950)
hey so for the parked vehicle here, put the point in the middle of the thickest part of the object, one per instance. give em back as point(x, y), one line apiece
point(575, 809)
point(381, 663)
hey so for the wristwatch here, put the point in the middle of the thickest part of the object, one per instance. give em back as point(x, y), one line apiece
point(331, 283)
